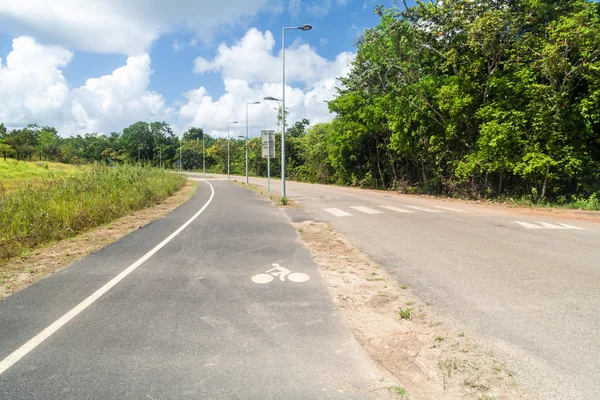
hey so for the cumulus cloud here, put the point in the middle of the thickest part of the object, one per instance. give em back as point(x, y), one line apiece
point(31, 81)
point(130, 26)
point(252, 60)
point(117, 26)
point(251, 70)
point(35, 90)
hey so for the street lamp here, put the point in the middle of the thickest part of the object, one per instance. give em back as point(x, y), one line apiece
point(303, 28)
point(247, 104)
point(229, 140)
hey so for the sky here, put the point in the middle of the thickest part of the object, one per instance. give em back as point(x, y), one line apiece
point(99, 66)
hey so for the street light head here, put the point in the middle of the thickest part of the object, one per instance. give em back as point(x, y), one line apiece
point(233, 122)
point(271, 98)
point(305, 27)
point(256, 102)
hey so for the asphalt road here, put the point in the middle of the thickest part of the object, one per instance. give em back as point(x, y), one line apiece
point(528, 286)
point(182, 318)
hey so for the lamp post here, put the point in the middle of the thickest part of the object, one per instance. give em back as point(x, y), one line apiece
point(203, 156)
point(303, 28)
point(229, 140)
point(247, 104)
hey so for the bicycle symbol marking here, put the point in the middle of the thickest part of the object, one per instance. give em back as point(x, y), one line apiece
point(282, 273)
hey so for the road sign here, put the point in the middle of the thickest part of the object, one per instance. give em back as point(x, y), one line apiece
point(268, 144)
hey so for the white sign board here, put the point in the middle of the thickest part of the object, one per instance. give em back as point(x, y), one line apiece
point(268, 137)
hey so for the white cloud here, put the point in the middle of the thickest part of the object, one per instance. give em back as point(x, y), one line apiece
point(113, 101)
point(32, 84)
point(252, 60)
point(35, 90)
point(117, 26)
point(251, 71)
point(130, 26)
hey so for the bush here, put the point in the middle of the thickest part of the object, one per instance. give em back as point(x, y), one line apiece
point(64, 207)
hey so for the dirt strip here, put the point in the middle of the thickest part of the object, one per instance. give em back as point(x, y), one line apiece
point(20, 272)
point(425, 352)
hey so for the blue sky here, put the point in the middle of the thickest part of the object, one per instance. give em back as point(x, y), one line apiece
point(101, 67)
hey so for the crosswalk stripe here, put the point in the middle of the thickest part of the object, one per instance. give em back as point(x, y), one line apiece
point(366, 210)
point(400, 210)
point(429, 210)
point(549, 226)
point(567, 226)
point(527, 225)
point(337, 212)
point(546, 225)
point(451, 209)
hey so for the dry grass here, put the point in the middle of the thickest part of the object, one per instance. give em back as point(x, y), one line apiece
point(22, 271)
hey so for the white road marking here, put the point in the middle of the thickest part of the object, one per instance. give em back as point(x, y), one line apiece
point(567, 226)
point(400, 210)
point(451, 209)
point(429, 210)
point(366, 210)
point(59, 323)
point(546, 225)
point(337, 212)
point(527, 225)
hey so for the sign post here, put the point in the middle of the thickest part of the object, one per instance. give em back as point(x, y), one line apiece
point(268, 152)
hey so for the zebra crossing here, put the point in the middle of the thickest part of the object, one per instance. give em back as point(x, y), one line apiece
point(407, 209)
point(338, 212)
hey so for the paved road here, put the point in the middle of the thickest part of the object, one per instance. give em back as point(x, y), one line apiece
point(187, 321)
point(528, 286)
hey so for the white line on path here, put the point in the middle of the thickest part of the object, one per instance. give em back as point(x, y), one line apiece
point(366, 210)
point(59, 323)
point(430, 210)
point(400, 210)
point(451, 209)
point(337, 212)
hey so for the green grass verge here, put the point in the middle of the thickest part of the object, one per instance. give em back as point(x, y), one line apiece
point(15, 174)
point(62, 207)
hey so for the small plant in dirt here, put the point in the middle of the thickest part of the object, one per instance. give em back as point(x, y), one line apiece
point(439, 339)
point(400, 391)
point(405, 313)
point(403, 287)
point(283, 201)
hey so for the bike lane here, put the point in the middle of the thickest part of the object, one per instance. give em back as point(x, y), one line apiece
point(233, 307)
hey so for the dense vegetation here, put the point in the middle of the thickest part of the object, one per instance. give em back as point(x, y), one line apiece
point(65, 206)
point(477, 98)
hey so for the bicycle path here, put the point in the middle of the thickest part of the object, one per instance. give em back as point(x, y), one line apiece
point(188, 321)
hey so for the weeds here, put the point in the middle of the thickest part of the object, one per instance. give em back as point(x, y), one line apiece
point(405, 313)
point(400, 391)
point(63, 207)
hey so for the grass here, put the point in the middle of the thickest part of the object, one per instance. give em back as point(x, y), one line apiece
point(51, 210)
point(400, 391)
point(405, 313)
point(16, 174)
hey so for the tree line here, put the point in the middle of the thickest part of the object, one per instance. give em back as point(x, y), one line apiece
point(478, 98)
point(471, 97)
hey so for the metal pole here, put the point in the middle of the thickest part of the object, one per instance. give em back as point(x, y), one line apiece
point(138, 156)
point(203, 157)
point(269, 166)
point(180, 144)
point(246, 143)
point(228, 140)
point(283, 117)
